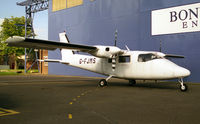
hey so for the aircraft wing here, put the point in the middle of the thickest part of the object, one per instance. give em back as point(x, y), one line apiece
point(46, 44)
point(98, 51)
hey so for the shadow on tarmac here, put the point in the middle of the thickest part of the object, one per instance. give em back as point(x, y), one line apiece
point(7, 102)
point(147, 85)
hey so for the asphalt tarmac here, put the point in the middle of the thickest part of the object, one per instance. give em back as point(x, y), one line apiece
point(42, 99)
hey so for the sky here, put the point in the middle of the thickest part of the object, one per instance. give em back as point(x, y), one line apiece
point(9, 8)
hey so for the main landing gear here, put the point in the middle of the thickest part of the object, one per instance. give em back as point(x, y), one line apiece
point(183, 87)
point(132, 82)
point(103, 82)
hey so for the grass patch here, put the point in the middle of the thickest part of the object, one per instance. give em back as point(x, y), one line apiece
point(9, 73)
point(16, 72)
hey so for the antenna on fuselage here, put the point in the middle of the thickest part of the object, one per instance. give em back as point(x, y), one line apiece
point(116, 33)
point(160, 46)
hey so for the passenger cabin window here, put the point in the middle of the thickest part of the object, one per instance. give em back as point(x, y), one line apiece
point(147, 57)
point(124, 59)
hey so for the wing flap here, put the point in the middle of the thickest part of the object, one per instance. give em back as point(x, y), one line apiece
point(46, 44)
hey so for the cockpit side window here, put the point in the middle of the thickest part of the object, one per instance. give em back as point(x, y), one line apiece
point(124, 59)
point(147, 57)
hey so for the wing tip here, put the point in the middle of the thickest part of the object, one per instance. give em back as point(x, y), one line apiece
point(14, 39)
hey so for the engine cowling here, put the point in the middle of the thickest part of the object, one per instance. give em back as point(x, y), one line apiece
point(106, 51)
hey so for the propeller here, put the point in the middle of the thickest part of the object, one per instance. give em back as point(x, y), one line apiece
point(116, 33)
point(173, 56)
point(114, 56)
point(170, 55)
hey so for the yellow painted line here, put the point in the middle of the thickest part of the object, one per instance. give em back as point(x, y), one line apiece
point(71, 103)
point(1, 112)
point(4, 112)
point(70, 116)
point(78, 96)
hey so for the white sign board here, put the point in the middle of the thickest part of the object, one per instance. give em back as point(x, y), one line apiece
point(176, 19)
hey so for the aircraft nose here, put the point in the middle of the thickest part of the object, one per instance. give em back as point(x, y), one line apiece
point(182, 72)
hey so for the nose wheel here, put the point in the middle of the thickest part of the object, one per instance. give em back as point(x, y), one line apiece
point(183, 87)
point(103, 82)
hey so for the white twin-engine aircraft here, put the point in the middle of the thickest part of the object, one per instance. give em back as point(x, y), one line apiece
point(111, 60)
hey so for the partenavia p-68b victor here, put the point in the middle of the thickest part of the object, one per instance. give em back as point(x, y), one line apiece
point(110, 60)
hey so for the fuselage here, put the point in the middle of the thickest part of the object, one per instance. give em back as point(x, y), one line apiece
point(131, 65)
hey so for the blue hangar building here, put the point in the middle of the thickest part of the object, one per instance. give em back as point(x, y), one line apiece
point(141, 25)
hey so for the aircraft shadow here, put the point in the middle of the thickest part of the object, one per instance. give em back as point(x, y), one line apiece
point(148, 85)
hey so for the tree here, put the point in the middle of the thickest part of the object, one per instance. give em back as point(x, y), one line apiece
point(10, 28)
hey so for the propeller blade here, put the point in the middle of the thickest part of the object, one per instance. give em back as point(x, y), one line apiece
point(173, 56)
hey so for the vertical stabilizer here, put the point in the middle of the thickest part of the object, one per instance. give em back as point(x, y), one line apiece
point(65, 53)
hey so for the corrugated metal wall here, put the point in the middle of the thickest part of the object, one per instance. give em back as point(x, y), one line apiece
point(94, 22)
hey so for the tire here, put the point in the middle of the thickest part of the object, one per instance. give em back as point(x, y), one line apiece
point(132, 82)
point(102, 83)
point(183, 88)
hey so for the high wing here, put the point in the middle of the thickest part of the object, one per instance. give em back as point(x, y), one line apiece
point(46, 44)
point(98, 51)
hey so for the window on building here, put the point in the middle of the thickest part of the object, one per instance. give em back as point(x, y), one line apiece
point(73, 3)
point(63, 4)
point(58, 5)
point(124, 59)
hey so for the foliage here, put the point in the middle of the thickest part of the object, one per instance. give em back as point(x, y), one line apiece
point(10, 27)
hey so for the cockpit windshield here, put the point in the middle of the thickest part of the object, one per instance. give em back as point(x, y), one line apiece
point(147, 57)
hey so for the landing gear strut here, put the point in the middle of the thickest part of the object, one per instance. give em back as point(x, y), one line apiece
point(103, 82)
point(183, 87)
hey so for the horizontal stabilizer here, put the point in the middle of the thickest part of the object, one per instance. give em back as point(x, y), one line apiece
point(53, 60)
point(49, 60)
point(46, 44)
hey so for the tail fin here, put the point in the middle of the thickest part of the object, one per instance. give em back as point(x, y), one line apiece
point(66, 54)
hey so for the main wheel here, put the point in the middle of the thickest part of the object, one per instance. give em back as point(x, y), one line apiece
point(132, 82)
point(102, 83)
point(183, 87)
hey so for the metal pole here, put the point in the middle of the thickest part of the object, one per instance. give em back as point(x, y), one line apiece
point(32, 6)
point(25, 37)
point(36, 51)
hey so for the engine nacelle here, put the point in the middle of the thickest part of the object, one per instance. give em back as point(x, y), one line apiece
point(106, 51)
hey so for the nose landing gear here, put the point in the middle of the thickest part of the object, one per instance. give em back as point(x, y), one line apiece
point(103, 82)
point(183, 87)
